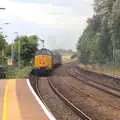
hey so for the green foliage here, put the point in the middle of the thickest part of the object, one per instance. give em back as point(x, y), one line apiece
point(7, 50)
point(100, 41)
point(14, 72)
point(3, 45)
point(25, 47)
point(2, 42)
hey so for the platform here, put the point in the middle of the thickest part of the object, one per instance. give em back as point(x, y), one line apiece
point(18, 103)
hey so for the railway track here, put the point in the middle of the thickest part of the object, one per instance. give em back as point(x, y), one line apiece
point(81, 114)
point(75, 96)
point(68, 100)
point(89, 81)
point(102, 78)
point(72, 106)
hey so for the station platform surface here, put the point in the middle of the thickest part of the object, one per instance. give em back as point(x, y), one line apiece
point(17, 102)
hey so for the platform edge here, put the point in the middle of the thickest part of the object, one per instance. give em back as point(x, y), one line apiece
point(47, 112)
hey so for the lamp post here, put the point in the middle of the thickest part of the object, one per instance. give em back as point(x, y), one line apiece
point(19, 50)
point(42, 41)
point(114, 55)
point(1, 28)
point(3, 54)
point(7, 23)
point(2, 8)
point(12, 51)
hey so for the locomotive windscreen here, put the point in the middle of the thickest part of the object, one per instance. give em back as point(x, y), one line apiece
point(44, 52)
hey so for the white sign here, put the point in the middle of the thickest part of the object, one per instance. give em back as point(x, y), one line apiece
point(9, 62)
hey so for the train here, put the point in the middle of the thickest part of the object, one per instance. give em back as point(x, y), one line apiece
point(45, 61)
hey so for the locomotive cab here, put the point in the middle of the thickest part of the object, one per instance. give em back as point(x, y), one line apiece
point(43, 58)
point(43, 61)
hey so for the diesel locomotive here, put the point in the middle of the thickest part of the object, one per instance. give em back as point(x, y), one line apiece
point(45, 61)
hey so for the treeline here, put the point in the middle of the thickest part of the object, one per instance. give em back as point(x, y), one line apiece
point(100, 41)
point(64, 51)
point(21, 50)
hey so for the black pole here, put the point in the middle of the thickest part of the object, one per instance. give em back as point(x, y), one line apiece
point(43, 43)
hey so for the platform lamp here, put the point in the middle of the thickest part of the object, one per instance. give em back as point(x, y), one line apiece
point(3, 54)
point(19, 50)
point(42, 41)
point(1, 28)
point(2, 8)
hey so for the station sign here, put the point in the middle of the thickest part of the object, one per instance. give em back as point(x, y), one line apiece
point(10, 61)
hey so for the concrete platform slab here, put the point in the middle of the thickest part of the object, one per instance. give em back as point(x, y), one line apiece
point(19, 103)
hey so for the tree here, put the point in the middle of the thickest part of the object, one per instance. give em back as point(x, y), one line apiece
point(115, 24)
point(27, 47)
point(2, 41)
point(100, 41)
point(2, 48)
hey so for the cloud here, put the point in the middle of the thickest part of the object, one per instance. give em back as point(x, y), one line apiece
point(64, 20)
point(48, 14)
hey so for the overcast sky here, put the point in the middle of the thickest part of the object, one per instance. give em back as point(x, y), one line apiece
point(59, 22)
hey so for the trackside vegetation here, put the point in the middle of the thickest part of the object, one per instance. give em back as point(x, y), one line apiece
point(23, 47)
point(100, 41)
point(21, 52)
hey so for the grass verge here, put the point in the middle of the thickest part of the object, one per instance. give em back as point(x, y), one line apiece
point(109, 69)
point(14, 72)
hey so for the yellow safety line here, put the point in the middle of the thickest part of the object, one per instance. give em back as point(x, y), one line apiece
point(5, 103)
